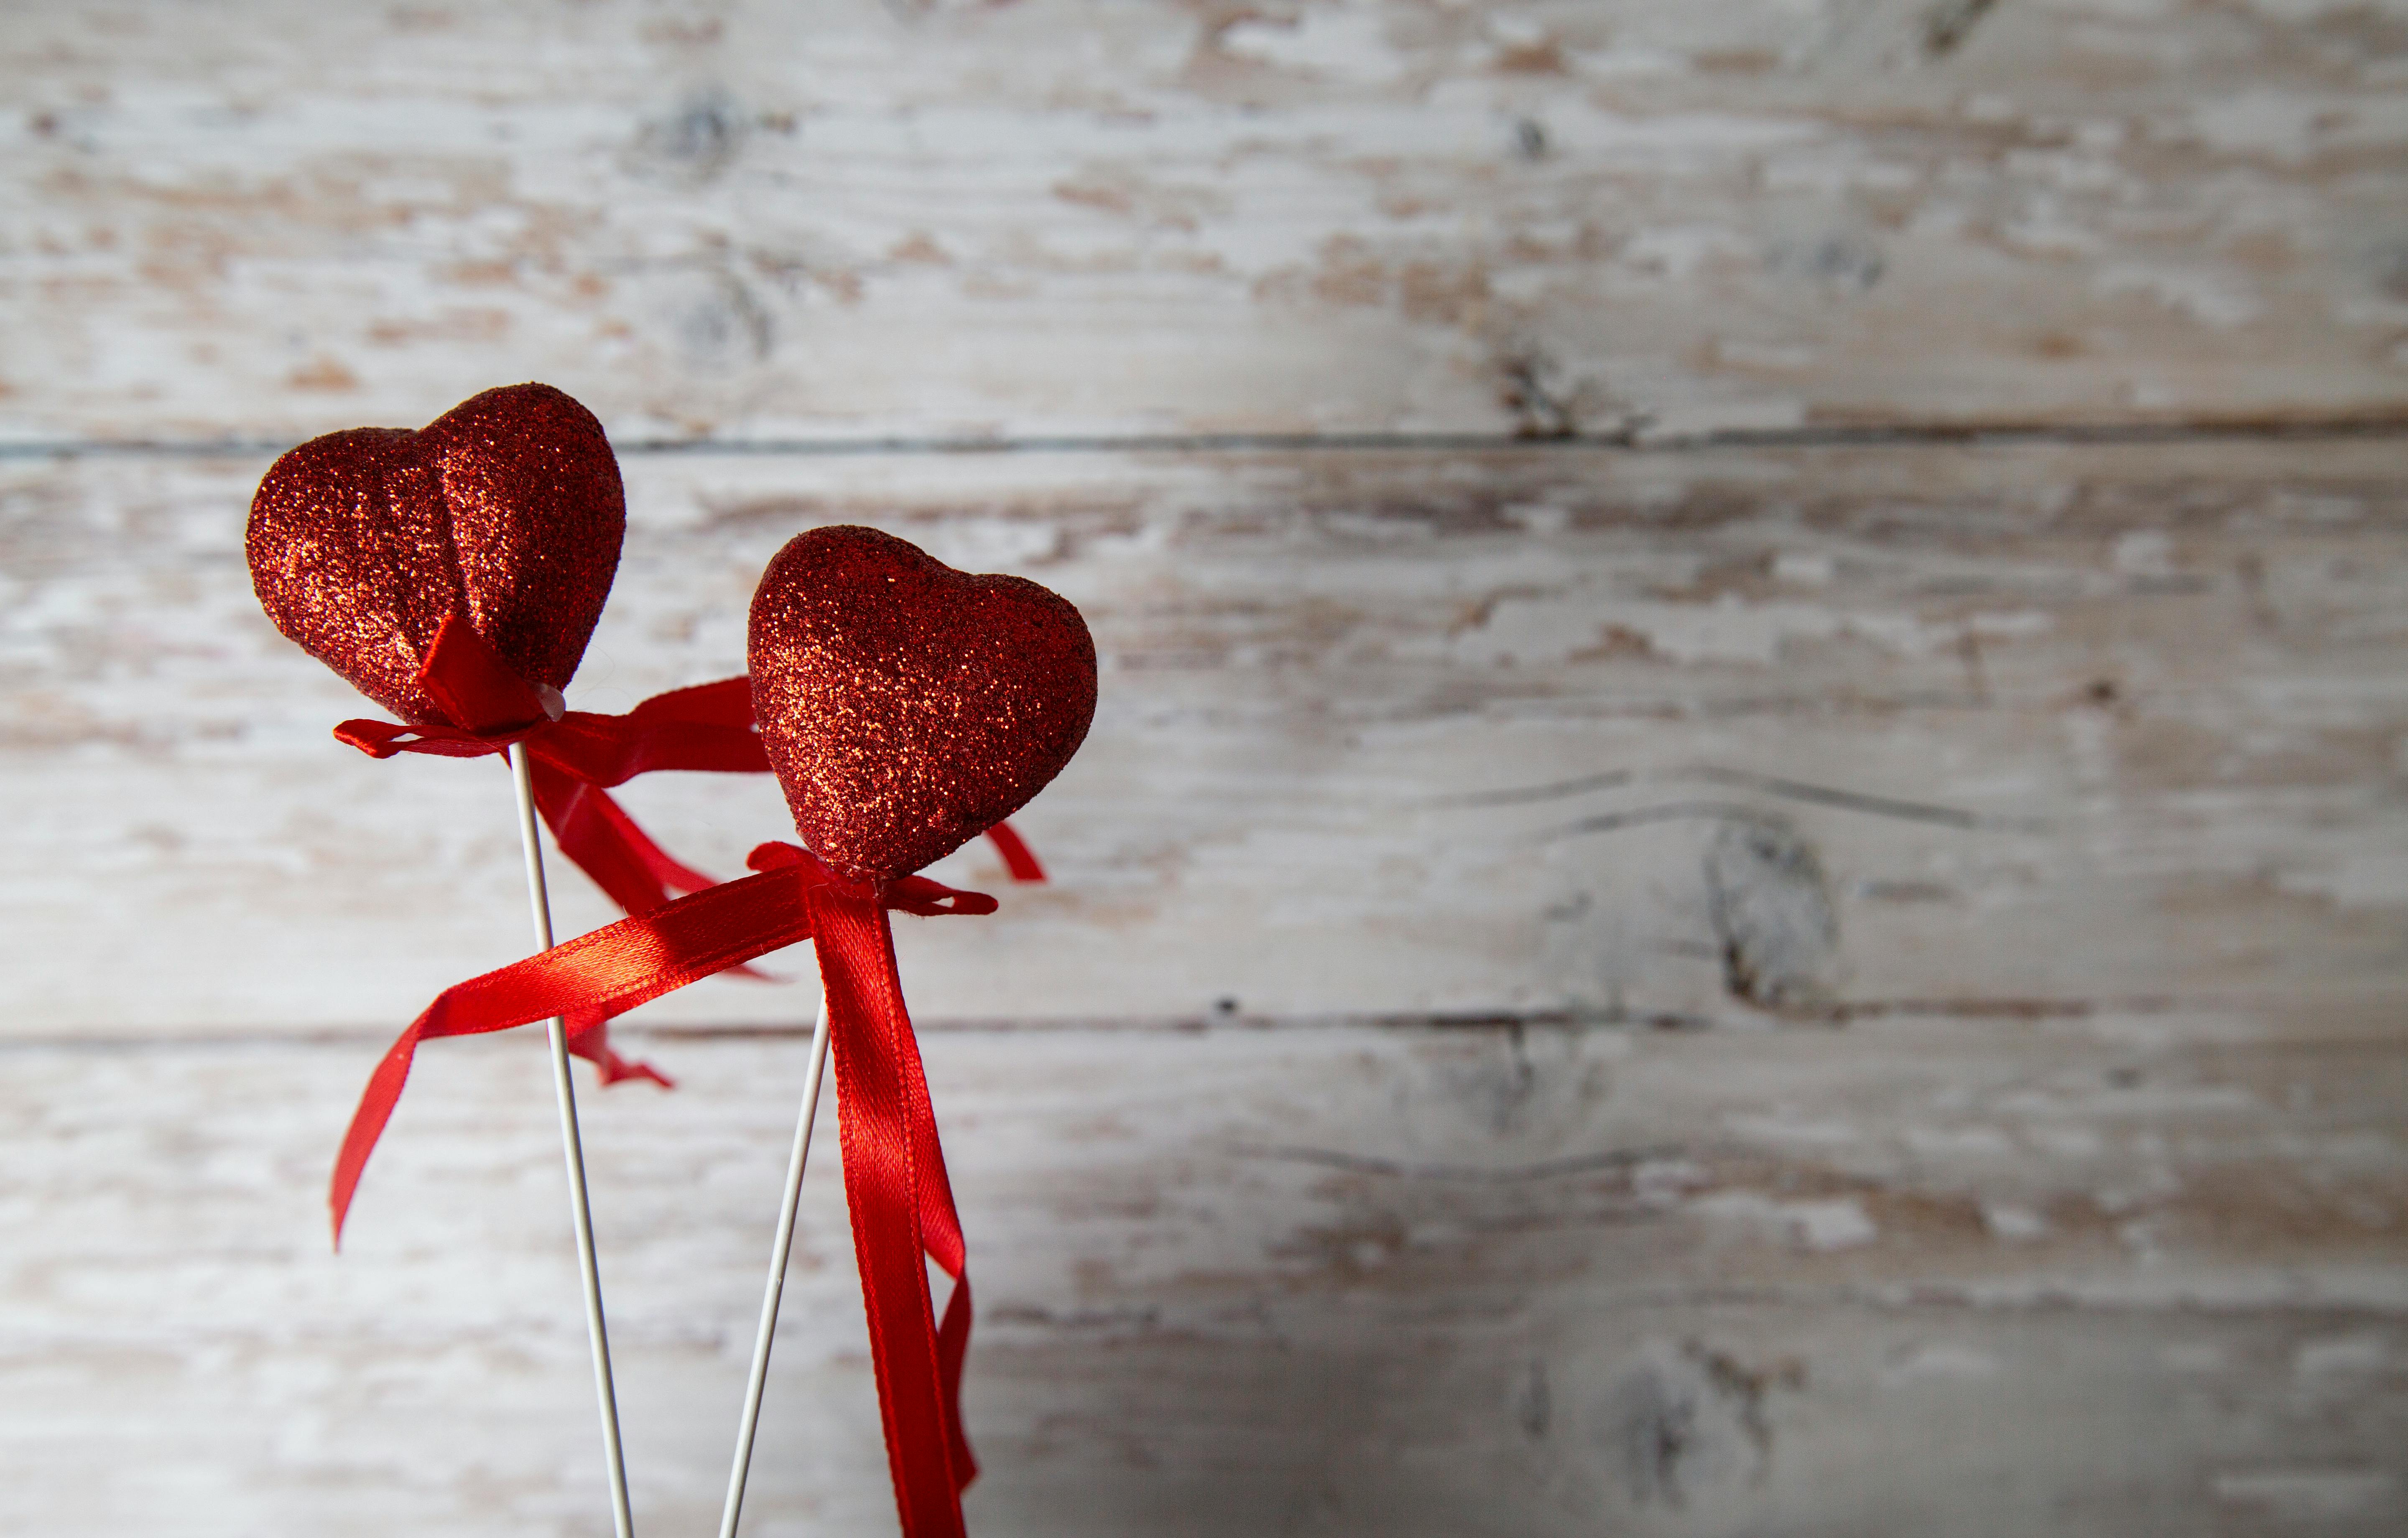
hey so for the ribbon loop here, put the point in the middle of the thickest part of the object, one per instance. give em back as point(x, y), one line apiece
point(577, 756)
point(573, 755)
point(476, 690)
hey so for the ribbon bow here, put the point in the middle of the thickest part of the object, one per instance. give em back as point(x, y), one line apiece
point(573, 756)
point(894, 1180)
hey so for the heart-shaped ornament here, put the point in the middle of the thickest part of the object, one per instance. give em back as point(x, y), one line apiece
point(907, 707)
point(506, 509)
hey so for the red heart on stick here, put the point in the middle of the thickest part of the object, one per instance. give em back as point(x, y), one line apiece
point(906, 706)
point(506, 509)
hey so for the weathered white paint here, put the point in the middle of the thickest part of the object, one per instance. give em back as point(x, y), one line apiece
point(2016, 731)
point(1831, 990)
point(1234, 1281)
point(271, 219)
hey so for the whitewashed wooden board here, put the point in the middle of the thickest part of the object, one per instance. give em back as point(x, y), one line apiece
point(2028, 730)
point(855, 219)
point(2115, 1276)
point(1801, 974)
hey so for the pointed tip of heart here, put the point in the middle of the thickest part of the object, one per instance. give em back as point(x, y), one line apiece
point(906, 706)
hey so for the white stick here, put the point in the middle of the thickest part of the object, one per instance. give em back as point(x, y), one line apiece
point(777, 1284)
point(572, 1147)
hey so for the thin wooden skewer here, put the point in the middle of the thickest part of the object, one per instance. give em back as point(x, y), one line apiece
point(572, 1147)
point(777, 1284)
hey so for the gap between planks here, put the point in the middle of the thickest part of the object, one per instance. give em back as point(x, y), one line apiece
point(1828, 1017)
point(1912, 434)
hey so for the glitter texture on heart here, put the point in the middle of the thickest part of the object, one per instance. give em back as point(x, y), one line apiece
point(907, 706)
point(506, 509)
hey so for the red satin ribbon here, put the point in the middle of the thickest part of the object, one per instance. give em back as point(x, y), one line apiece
point(1018, 858)
point(894, 1181)
point(571, 760)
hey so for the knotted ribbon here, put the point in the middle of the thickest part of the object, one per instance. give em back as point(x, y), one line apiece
point(573, 756)
point(894, 1180)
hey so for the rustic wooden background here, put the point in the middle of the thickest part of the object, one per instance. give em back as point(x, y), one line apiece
point(1743, 869)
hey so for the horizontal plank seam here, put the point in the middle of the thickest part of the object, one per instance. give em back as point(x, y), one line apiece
point(1713, 774)
point(1901, 435)
point(1824, 1017)
point(2040, 1297)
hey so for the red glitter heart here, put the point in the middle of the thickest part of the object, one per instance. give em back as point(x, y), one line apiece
point(506, 509)
point(907, 706)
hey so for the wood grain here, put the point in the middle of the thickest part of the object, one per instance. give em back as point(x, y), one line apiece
point(1921, 1273)
point(1740, 872)
point(1812, 735)
point(271, 219)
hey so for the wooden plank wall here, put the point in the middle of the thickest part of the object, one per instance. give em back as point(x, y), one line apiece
point(1742, 867)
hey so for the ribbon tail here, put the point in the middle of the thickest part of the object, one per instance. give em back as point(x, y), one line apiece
point(367, 1123)
point(589, 1037)
point(895, 1183)
point(606, 973)
point(1018, 858)
point(941, 1235)
point(599, 838)
point(952, 1346)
